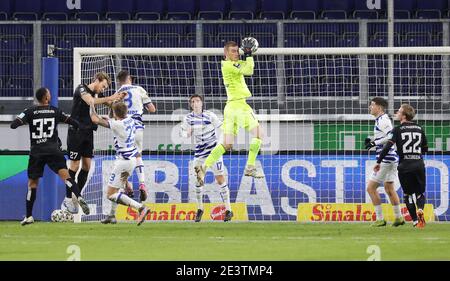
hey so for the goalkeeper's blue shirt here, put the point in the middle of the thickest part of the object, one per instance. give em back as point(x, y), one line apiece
point(233, 78)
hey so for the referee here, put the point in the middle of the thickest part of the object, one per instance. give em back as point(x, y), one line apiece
point(411, 143)
point(80, 143)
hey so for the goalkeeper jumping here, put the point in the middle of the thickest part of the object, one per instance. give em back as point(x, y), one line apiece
point(237, 112)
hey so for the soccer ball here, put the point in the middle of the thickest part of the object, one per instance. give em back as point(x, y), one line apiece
point(61, 216)
point(58, 215)
point(68, 216)
point(250, 42)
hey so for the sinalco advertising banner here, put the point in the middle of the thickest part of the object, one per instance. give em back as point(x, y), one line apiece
point(289, 180)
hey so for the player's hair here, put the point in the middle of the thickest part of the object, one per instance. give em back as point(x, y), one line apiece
point(120, 109)
point(122, 76)
point(195, 96)
point(408, 111)
point(230, 44)
point(100, 76)
point(40, 93)
point(381, 102)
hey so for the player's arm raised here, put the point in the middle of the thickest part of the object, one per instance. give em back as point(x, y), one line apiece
point(105, 100)
point(95, 118)
point(20, 120)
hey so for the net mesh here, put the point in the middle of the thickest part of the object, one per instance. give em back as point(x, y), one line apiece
point(314, 113)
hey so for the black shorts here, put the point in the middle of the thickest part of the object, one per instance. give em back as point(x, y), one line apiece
point(80, 143)
point(413, 181)
point(36, 163)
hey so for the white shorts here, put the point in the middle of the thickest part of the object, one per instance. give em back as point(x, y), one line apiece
point(122, 170)
point(139, 139)
point(387, 173)
point(216, 168)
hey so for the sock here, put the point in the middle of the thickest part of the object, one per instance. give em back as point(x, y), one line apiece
point(72, 186)
point(397, 211)
point(123, 199)
point(379, 212)
point(421, 201)
point(140, 170)
point(68, 190)
point(82, 178)
point(31, 197)
point(409, 202)
point(225, 193)
point(112, 212)
point(199, 195)
point(215, 154)
point(253, 151)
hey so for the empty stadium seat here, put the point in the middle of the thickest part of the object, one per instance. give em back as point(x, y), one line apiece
point(5, 9)
point(265, 39)
point(332, 9)
point(365, 14)
point(180, 9)
point(149, 9)
point(243, 9)
point(136, 39)
point(416, 39)
point(348, 39)
point(294, 39)
point(27, 10)
point(91, 10)
point(212, 10)
point(305, 9)
point(274, 9)
point(104, 40)
point(119, 10)
point(431, 9)
point(322, 39)
point(333, 14)
point(404, 9)
point(56, 10)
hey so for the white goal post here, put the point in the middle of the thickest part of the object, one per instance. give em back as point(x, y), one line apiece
point(312, 104)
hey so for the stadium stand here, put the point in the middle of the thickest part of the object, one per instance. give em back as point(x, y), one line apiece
point(16, 41)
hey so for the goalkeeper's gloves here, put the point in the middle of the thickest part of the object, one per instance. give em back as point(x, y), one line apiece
point(247, 45)
point(369, 143)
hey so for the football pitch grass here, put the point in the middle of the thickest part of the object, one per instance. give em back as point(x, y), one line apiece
point(284, 241)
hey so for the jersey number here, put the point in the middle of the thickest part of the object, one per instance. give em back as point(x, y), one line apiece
point(128, 101)
point(412, 144)
point(44, 128)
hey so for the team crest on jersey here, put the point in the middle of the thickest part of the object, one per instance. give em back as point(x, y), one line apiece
point(237, 65)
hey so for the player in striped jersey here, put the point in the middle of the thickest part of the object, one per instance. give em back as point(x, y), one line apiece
point(124, 132)
point(201, 125)
point(388, 172)
point(136, 100)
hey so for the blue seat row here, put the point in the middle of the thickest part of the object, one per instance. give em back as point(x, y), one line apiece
point(213, 10)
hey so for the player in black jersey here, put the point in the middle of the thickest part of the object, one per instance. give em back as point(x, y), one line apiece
point(411, 144)
point(80, 143)
point(43, 120)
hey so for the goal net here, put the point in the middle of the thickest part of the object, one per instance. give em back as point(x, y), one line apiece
point(313, 107)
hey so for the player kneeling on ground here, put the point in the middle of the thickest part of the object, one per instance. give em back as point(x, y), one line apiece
point(124, 132)
point(43, 120)
point(202, 124)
